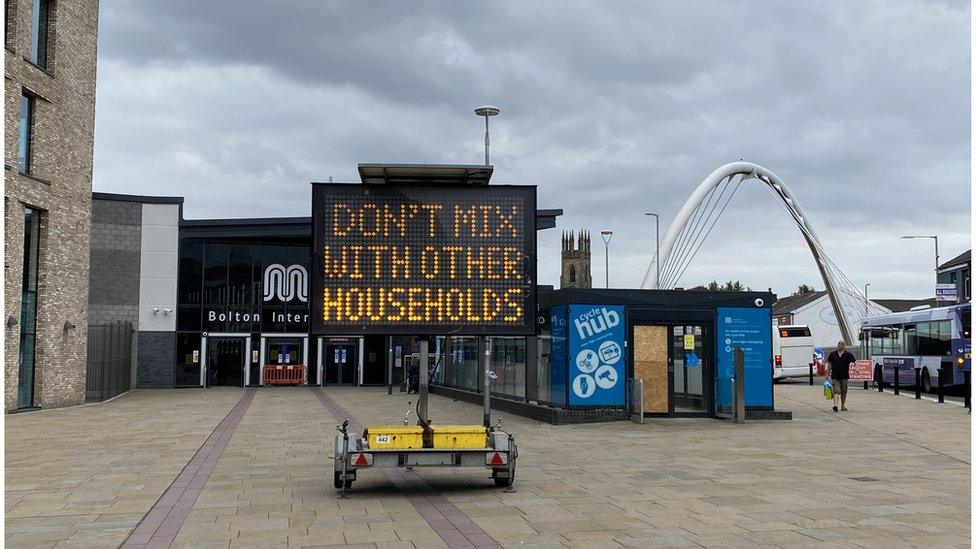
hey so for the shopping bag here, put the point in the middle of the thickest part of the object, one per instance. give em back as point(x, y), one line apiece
point(828, 390)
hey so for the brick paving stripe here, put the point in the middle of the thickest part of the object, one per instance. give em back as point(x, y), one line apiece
point(450, 523)
point(164, 520)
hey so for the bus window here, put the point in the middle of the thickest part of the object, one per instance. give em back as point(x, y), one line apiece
point(910, 343)
point(892, 344)
point(945, 337)
point(933, 338)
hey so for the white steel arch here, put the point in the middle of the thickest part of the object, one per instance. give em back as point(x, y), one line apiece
point(748, 171)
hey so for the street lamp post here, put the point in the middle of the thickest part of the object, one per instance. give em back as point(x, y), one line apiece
point(657, 247)
point(936, 239)
point(607, 235)
point(866, 298)
point(487, 111)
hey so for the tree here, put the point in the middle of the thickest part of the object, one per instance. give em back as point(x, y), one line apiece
point(804, 289)
point(729, 286)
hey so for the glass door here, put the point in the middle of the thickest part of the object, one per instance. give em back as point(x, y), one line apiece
point(687, 370)
point(284, 351)
point(340, 363)
point(225, 361)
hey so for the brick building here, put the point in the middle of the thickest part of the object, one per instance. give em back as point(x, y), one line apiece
point(49, 111)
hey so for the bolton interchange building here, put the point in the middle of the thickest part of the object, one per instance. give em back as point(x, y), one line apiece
point(225, 301)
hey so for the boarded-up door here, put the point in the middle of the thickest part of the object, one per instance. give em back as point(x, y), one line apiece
point(651, 365)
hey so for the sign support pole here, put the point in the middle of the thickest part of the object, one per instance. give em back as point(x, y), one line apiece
point(486, 344)
point(422, 374)
point(389, 365)
point(738, 387)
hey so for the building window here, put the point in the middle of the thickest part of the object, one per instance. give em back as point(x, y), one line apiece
point(26, 133)
point(28, 309)
point(572, 273)
point(40, 25)
point(8, 23)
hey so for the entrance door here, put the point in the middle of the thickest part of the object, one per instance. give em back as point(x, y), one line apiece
point(284, 351)
point(226, 359)
point(651, 365)
point(689, 358)
point(340, 363)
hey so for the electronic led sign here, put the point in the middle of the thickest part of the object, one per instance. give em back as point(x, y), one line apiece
point(422, 260)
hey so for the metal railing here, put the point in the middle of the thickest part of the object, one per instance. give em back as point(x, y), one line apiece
point(635, 399)
point(109, 361)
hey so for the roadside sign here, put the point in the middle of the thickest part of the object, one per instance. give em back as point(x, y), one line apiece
point(862, 370)
point(946, 292)
point(818, 361)
point(423, 259)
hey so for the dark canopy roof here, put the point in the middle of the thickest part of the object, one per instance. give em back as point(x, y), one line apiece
point(431, 174)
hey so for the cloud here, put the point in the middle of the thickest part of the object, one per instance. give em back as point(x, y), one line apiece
point(611, 109)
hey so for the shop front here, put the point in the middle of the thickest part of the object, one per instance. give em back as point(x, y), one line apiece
point(243, 311)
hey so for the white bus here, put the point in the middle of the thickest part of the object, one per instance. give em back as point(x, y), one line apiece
point(792, 351)
point(927, 338)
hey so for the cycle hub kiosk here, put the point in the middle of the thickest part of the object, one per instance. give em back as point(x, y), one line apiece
point(425, 253)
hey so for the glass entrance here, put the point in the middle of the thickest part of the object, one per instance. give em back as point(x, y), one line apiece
point(284, 351)
point(225, 361)
point(339, 361)
point(687, 369)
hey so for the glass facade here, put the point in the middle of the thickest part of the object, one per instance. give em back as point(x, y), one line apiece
point(221, 289)
point(28, 309)
point(463, 371)
point(508, 363)
point(461, 364)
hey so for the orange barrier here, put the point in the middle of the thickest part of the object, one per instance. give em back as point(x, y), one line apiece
point(288, 374)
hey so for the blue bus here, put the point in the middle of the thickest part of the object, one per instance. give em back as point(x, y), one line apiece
point(925, 337)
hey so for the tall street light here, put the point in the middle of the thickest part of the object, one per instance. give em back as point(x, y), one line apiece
point(657, 246)
point(606, 234)
point(487, 111)
point(866, 298)
point(936, 239)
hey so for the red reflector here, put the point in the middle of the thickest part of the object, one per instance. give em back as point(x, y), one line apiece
point(779, 360)
point(496, 459)
point(361, 461)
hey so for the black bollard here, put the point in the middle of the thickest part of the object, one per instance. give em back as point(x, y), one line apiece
point(811, 374)
point(967, 398)
point(896, 372)
point(941, 386)
point(918, 383)
point(879, 375)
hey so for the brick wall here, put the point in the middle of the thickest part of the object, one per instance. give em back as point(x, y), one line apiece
point(60, 186)
point(116, 234)
point(157, 360)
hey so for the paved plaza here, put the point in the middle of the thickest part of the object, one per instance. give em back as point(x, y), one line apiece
point(892, 472)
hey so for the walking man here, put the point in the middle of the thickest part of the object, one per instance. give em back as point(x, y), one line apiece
point(839, 370)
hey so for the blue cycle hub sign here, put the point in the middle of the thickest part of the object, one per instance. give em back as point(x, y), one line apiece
point(751, 330)
point(597, 360)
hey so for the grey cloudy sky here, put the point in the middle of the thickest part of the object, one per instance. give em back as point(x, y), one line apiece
point(611, 108)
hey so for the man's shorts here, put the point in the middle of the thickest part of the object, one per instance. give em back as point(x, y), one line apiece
point(840, 386)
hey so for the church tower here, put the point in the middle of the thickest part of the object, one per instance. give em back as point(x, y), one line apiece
point(576, 261)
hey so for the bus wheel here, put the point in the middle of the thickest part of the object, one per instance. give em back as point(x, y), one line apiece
point(926, 381)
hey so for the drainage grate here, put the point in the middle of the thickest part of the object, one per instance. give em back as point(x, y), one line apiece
point(864, 479)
